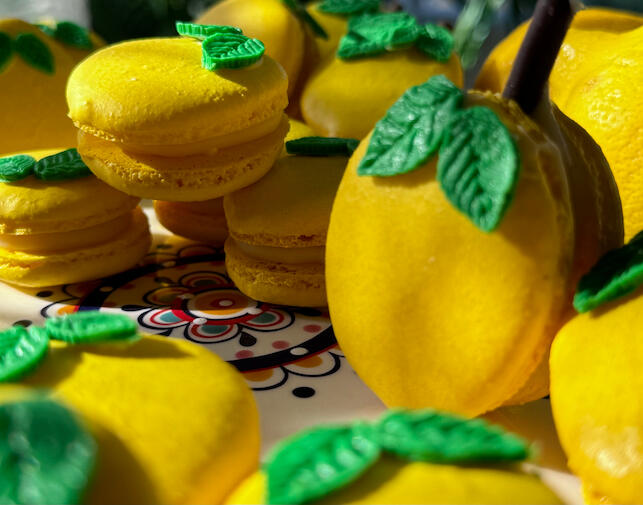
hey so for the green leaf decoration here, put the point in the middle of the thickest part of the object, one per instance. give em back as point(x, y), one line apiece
point(618, 273)
point(61, 166)
point(349, 7)
point(300, 12)
point(90, 327)
point(322, 146)
point(202, 32)
point(230, 50)
point(46, 29)
point(479, 166)
point(472, 28)
point(426, 435)
point(16, 168)
point(34, 52)
point(73, 35)
point(412, 129)
point(372, 34)
point(318, 461)
point(5, 50)
point(46, 455)
point(20, 352)
point(436, 42)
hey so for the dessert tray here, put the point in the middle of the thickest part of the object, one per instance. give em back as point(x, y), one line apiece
point(288, 355)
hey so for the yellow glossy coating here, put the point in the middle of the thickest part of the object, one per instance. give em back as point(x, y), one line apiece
point(335, 26)
point(173, 422)
point(596, 81)
point(345, 98)
point(596, 399)
point(397, 482)
point(448, 316)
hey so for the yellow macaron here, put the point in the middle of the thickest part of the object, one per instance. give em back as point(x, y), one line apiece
point(275, 252)
point(407, 457)
point(155, 122)
point(34, 68)
point(62, 231)
point(171, 422)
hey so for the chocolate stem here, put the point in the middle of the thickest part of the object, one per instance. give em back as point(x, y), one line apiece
point(538, 53)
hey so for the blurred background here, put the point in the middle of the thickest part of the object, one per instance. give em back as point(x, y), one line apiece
point(478, 24)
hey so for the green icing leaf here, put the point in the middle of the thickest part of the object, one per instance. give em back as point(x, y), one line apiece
point(46, 455)
point(479, 166)
point(89, 327)
point(73, 35)
point(61, 166)
point(319, 461)
point(349, 7)
point(322, 146)
point(412, 129)
point(20, 352)
point(46, 29)
point(5, 50)
point(230, 50)
point(617, 273)
point(371, 34)
point(300, 12)
point(16, 168)
point(426, 435)
point(472, 28)
point(202, 32)
point(436, 42)
point(34, 52)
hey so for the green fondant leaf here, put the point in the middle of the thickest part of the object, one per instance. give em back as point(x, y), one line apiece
point(46, 29)
point(370, 34)
point(61, 166)
point(436, 42)
point(46, 455)
point(5, 50)
point(34, 52)
point(349, 7)
point(300, 12)
point(202, 32)
point(412, 129)
point(479, 166)
point(322, 146)
point(319, 461)
point(230, 50)
point(16, 168)
point(73, 35)
point(20, 352)
point(91, 327)
point(426, 435)
point(617, 273)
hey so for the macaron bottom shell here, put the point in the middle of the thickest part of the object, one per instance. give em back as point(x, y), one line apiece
point(78, 265)
point(201, 221)
point(301, 285)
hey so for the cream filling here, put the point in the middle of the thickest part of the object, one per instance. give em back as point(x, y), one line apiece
point(69, 240)
point(295, 255)
point(207, 146)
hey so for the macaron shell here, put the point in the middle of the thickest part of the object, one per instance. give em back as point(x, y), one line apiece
point(32, 101)
point(155, 91)
point(301, 285)
point(35, 270)
point(185, 219)
point(290, 206)
point(190, 178)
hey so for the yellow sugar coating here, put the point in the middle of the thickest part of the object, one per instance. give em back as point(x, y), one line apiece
point(487, 305)
point(595, 396)
point(595, 81)
point(155, 91)
point(173, 422)
point(335, 26)
point(345, 98)
point(395, 481)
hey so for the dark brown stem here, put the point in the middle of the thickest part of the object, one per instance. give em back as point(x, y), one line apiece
point(538, 53)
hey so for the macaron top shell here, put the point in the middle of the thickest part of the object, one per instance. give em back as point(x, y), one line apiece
point(36, 206)
point(155, 91)
point(290, 206)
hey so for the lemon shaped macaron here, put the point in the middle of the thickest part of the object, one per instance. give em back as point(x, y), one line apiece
point(63, 231)
point(155, 123)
